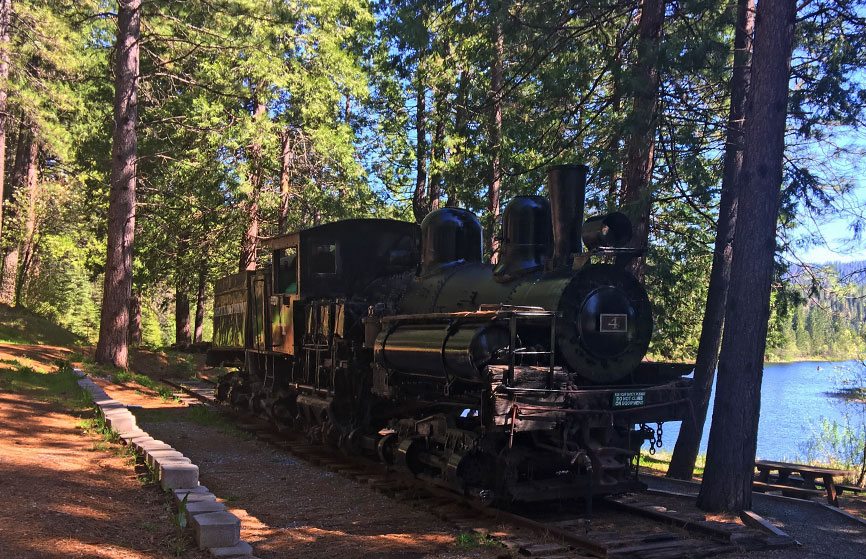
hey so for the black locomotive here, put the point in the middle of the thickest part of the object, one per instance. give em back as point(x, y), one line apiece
point(521, 380)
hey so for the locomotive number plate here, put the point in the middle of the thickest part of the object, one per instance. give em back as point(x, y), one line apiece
point(630, 399)
point(613, 323)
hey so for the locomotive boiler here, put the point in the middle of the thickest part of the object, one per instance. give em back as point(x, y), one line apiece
point(520, 380)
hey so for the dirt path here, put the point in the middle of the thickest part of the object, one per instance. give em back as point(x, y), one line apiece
point(63, 492)
point(291, 509)
point(823, 533)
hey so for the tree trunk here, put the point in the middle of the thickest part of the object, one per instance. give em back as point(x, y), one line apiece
point(611, 165)
point(495, 187)
point(199, 304)
point(5, 13)
point(460, 118)
point(18, 179)
point(437, 147)
point(114, 321)
point(135, 319)
point(637, 194)
point(688, 443)
point(287, 164)
point(727, 484)
point(181, 298)
point(420, 206)
point(861, 477)
point(31, 182)
point(10, 275)
point(250, 242)
point(181, 318)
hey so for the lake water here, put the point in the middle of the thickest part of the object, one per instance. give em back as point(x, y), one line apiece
point(793, 401)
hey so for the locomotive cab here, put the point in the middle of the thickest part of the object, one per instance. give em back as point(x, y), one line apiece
point(268, 310)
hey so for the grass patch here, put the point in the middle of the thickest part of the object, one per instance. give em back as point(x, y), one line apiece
point(473, 540)
point(209, 417)
point(120, 376)
point(58, 387)
point(181, 365)
point(21, 326)
point(200, 415)
point(97, 426)
point(661, 461)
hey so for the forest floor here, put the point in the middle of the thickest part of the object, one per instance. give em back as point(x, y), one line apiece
point(67, 491)
point(657, 467)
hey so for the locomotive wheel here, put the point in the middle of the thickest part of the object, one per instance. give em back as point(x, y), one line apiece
point(475, 472)
point(224, 387)
point(238, 398)
point(407, 456)
point(385, 448)
point(282, 411)
point(349, 442)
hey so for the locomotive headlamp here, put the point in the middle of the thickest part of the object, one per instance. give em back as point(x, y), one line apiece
point(609, 230)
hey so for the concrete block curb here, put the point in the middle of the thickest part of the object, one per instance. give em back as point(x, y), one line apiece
point(127, 436)
point(200, 507)
point(174, 476)
point(179, 494)
point(214, 527)
point(196, 498)
point(150, 446)
point(151, 454)
point(241, 549)
point(217, 529)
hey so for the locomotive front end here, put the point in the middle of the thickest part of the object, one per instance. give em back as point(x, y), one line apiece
point(531, 370)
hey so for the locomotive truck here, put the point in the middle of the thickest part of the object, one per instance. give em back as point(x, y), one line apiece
point(523, 380)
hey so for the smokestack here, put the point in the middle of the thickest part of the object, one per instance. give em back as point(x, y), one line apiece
point(566, 186)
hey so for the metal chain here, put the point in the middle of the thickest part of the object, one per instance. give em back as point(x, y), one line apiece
point(659, 434)
point(651, 438)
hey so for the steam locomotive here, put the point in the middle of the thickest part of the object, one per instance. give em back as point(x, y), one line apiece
point(522, 380)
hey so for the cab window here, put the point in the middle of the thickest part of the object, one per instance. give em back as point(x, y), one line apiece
point(286, 269)
point(324, 259)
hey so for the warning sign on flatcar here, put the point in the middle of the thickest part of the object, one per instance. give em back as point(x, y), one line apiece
point(628, 399)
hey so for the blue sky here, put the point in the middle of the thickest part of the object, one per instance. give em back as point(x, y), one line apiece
point(835, 235)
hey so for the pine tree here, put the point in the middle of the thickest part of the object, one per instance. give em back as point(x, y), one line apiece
point(727, 484)
point(688, 442)
point(112, 347)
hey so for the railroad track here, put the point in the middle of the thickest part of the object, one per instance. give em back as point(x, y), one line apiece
point(633, 526)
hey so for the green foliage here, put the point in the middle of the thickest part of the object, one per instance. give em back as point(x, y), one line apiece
point(828, 323)
point(98, 426)
point(339, 83)
point(124, 377)
point(58, 387)
point(61, 290)
point(22, 326)
point(474, 540)
point(842, 443)
point(661, 461)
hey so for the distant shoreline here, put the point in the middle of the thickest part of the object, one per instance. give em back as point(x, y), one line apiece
point(813, 359)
